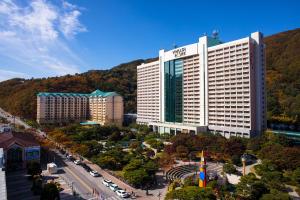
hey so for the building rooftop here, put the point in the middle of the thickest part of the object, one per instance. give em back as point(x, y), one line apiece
point(61, 94)
point(96, 93)
point(22, 139)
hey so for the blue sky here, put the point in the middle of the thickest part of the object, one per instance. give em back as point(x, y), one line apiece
point(42, 38)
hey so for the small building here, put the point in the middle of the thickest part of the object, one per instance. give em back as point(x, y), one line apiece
point(52, 168)
point(19, 148)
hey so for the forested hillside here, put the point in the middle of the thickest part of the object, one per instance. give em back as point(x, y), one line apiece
point(283, 82)
point(18, 96)
point(283, 77)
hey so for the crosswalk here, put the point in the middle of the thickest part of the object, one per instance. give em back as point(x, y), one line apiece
point(107, 198)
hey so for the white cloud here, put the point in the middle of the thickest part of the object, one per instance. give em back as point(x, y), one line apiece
point(36, 35)
point(70, 24)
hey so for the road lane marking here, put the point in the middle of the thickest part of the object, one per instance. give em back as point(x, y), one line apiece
point(79, 179)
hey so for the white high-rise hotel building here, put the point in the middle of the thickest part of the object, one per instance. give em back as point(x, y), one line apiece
point(206, 86)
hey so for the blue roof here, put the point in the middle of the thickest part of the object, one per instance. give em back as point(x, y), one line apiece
point(61, 94)
point(96, 93)
point(89, 123)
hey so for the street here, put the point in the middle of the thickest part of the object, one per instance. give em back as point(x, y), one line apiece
point(83, 183)
point(12, 119)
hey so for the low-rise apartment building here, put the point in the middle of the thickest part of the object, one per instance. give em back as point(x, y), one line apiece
point(100, 107)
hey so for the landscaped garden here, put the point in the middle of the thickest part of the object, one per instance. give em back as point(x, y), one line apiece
point(123, 153)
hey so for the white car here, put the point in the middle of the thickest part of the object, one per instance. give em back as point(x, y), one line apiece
point(106, 182)
point(94, 173)
point(77, 162)
point(113, 187)
point(122, 193)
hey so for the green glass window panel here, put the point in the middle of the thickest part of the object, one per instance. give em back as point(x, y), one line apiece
point(173, 90)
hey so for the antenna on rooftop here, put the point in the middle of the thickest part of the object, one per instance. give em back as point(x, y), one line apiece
point(215, 34)
point(174, 45)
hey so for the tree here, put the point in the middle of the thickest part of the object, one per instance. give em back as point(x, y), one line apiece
point(133, 165)
point(182, 151)
point(273, 180)
point(276, 195)
point(151, 167)
point(190, 181)
point(266, 166)
point(50, 192)
point(165, 160)
point(229, 168)
point(250, 187)
point(191, 193)
point(37, 183)
point(296, 175)
point(137, 177)
point(115, 136)
point(107, 162)
point(34, 168)
point(236, 160)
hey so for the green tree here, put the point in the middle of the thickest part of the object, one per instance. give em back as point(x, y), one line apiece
point(133, 165)
point(50, 192)
point(236, 160)
point(273, 180)
point(266, 166)
point(34, 168)
point(151, 167)
point(107, 162)
point(191, 193)
point(276, 195)
point(296, 175)
point(229, 168)
point(250, 188)
point(137, 177)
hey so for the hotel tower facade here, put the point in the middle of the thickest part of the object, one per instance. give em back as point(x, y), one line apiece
point(205, 86)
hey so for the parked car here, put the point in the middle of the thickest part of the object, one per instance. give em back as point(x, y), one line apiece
point(71, 158)
point(77, 162)
point(122, 193)
point(86, 167)
point(113, 187)
point(94, 173)
point(106, 182)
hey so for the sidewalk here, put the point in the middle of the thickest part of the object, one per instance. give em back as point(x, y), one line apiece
point(140, 194)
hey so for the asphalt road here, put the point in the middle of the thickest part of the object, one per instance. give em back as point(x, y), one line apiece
point(83, 182)
point(12, 119)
